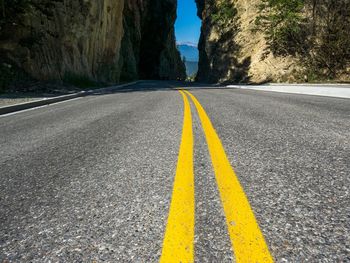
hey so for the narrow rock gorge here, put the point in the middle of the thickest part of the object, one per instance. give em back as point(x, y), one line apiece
point(105, 41)
point(148, 47)
point(110, 41)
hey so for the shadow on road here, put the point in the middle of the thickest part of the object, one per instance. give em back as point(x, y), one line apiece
point(153, 85)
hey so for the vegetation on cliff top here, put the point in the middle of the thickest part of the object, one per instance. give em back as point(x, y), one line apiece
point(224, 13)
point(11, 9)
point(315, 31)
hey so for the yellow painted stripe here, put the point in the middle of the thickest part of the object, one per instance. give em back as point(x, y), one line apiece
point(247, 240)
point(179, 235)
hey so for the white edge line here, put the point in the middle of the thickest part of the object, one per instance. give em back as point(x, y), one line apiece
point(112, 88)
point(38, 107)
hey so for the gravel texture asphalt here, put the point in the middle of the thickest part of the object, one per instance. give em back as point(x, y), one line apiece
point(90, 179)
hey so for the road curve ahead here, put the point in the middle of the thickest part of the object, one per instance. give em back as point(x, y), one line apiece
point(167, 172)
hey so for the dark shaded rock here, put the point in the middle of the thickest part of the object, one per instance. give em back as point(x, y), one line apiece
point(104, 41)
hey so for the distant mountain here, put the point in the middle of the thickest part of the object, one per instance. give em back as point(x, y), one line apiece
point(187, 43)
point(191, 68)
point(189, 51)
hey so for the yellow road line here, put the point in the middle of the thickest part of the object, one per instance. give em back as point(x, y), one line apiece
point(179, 235)
point(247, 240)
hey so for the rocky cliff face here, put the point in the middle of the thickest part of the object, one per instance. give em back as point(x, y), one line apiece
point(230, 50)
point(148, 46)
point(233, 50)
point(103, 40)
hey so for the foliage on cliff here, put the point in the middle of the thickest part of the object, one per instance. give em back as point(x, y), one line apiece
point(316, 31)
point(12, 9)
point(224, 13)
point(290, 41)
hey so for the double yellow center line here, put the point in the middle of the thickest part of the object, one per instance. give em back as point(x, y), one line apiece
point(247, 241)
point(179, 234)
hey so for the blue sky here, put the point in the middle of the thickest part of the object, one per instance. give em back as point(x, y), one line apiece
point(187, 25)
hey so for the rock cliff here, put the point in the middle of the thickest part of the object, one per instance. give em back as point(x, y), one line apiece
point(148, 46)
point(233, 50)
point(230, 51)
point(103, 40)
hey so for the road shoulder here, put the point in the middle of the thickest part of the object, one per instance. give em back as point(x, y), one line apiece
point(328, 90)
point(33, 102)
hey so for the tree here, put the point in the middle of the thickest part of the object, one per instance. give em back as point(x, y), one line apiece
point(283, 24)
point(315, 31)
point(3, 8)
point(224, 13)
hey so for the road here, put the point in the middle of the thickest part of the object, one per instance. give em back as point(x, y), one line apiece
point(93, 179)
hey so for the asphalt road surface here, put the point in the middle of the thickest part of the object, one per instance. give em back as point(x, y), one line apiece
point(110, 177)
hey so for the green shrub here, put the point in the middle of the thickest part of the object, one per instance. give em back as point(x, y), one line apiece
point(284, 25)
point(315, 31)
point(80, 81)
point(225, 13)
point(10, 9)
point(12, 77)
